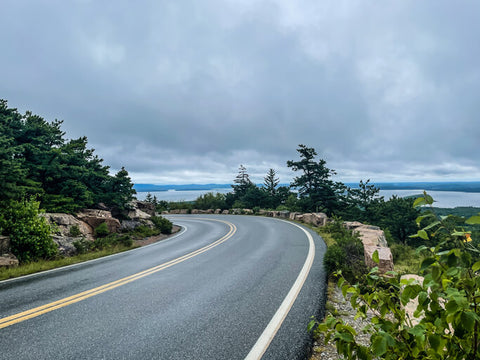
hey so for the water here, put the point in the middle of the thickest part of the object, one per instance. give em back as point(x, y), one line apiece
point(446, 199)
point(443, 199)
point(180, 195)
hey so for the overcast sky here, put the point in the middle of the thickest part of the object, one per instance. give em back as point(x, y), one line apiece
point(185, 91)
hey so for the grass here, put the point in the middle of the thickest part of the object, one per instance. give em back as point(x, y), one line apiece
point(42, 265)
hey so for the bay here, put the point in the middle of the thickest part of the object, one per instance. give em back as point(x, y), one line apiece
point(445, 199)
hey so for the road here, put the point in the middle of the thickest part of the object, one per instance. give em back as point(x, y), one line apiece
point(206, 293)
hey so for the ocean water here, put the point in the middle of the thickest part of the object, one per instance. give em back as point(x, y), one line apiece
point(445, 199)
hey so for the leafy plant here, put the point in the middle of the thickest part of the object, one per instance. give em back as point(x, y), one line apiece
point(75, 231)
point(102, 230)
point(164, 225)
point(30, 234)
point(446, 321)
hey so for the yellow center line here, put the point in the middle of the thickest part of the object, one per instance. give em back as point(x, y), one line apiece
point(28, 314)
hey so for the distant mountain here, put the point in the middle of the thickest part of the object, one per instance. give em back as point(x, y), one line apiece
point(188, 187)
point(467, 186)
point(471, 186)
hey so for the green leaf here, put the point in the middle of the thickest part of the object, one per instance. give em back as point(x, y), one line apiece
point(435, 341)
point(422, 234)
point(474, 220)
point(476, 266)
point(375, 257)
point(345, 336)
point(419, 219)
point(468, 320)
point(379, 345)
point(311, 324)
point(426, 263)
point(420, 201)
point(432, 225)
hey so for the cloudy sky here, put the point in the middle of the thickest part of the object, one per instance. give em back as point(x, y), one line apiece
point(185, 91)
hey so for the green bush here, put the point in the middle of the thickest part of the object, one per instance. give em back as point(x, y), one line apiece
point(30, 234)
point(83, 246)
point(75, 231)
point(164, 225)
point(102, 230)
point(346, 255)
point(446, 320)
point(143, 231)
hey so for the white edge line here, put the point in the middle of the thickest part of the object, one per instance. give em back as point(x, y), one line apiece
point(183, 231)
point(273, 326)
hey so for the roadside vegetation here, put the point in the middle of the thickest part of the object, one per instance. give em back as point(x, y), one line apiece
point(42, 171)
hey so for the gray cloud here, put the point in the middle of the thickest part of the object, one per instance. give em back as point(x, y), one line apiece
point(186, 91)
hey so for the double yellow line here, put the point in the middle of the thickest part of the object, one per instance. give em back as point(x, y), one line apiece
point(14, 319)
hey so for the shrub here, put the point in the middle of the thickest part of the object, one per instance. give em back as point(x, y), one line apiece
point(83, 246)
point(75, 231)
point(446, 321)
point(30, 234)
point(164, 225)
point(346, 255)
point(102, 230)
point(142, 231)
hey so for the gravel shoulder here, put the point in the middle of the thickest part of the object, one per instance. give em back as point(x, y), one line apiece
point(322, 351)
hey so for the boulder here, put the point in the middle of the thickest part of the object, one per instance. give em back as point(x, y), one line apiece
point(64, 222)
point(350, 225)
point(284, 214)
point(218, 211)
point(145, 207)
point(95, 217)
point(225, 212)
point(8, 260)
point(248, 211)
point(298, 217)
point(4, 244)
point(293, 215)
point(315, 219)
point(137, 214)
point(209, 211)
point(371, 235)
point(65, 244)
point(384, 254)
point(262, 212)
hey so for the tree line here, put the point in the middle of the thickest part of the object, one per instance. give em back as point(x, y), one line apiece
point(63, 175)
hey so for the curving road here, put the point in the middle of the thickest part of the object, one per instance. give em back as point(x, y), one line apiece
point(210, 292)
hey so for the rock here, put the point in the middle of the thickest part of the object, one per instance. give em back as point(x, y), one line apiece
point(95, 217)
point(384, 254)
point(209, 211)
point(8, 260)
point(293, 215)
point(236, 211)
point(145, 207)
point(284, 214)
point(248, 211)
point(137, 214)
point(225, 212)
point(4, 244)
point(65, 222)
point(128, 225)
point(350, 225)
point(262, 212)
point(218, 211)
point(315, 219)
point(371, 235)
point(65, 244)
point(299, 217)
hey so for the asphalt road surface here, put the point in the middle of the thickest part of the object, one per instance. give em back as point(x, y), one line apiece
point(226, 287)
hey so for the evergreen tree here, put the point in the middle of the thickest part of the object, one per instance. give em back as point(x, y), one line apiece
point(242, 182)
point(315, 188)
point(270, 182)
